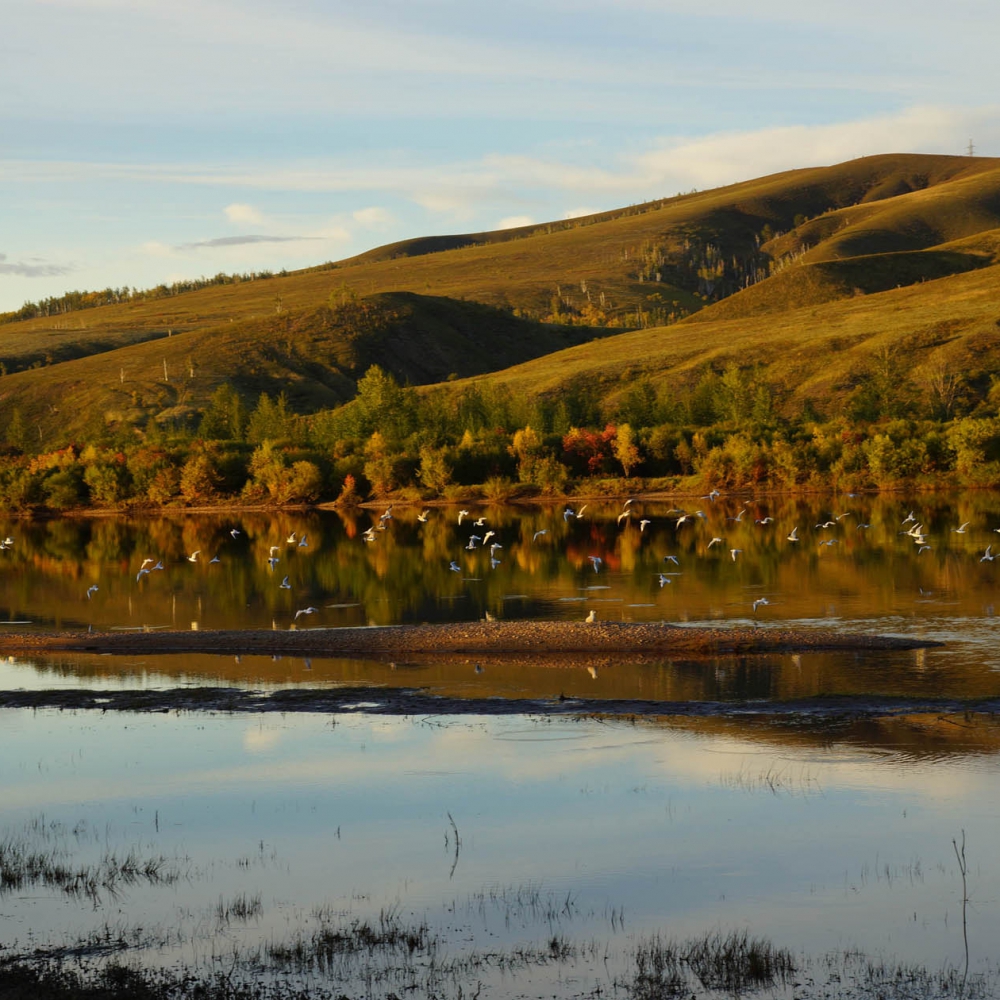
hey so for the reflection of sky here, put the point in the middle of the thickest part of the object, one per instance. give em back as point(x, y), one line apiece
point(676, 828)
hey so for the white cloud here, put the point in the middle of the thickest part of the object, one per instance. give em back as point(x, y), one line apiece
point(577, 213)
point(374, 217)
point(241, 213)
point(515, 222)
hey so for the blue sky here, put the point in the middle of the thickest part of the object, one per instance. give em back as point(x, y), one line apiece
point(144, 140)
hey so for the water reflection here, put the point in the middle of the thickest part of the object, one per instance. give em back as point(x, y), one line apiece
point(404, 574)
point(811, 842)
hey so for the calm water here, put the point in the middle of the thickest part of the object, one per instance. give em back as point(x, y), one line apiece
point(821, 837)
point(606, 832)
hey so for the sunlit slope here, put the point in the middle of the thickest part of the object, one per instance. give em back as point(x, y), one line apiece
point(608, 261)
point(314, 356)
point(811, 353)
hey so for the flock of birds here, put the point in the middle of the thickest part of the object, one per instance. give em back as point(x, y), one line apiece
point(910, 526)
point(150, 565)
point(486, 539)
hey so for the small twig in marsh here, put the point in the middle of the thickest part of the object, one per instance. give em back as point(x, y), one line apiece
point(964, 870)
point(458, 844)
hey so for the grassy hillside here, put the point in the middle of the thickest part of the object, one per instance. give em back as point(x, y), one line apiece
point(810, 353)
point(314, 356)
point(809, 274)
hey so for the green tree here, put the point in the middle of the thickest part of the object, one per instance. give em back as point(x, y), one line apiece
point(271, 421)
point(226, 418)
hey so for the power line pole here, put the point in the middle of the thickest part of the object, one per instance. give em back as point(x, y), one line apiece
point(972, 149)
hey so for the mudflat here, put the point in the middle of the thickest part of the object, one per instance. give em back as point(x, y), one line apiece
point(492, 638)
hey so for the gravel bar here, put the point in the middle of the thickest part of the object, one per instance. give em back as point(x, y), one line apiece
point(486, 638)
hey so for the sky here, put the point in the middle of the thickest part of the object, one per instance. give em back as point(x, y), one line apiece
point(146, 141)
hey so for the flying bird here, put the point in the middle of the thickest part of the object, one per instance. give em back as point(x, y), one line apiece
point(734, 553)
point(714, 541)
point(461, 514)
point(285, 585)
point(234, 532)
point(194, 556)
point(961, 529)
point(794, 536)
point(91, 590)
point(595, 562)
point(305, 611)
point(538, 534)
point(759, 602)
point(422, 516)
point(664, 580)
point(454, 567)
point(672, 559)
point(642, 525)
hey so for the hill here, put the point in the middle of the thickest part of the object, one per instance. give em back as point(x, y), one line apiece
point(807, 274)
point(313, 356)
point(815, 354)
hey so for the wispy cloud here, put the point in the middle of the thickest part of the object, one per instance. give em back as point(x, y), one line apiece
point(373, 217)
point(241, 213)
point(240, 241)
point(458, 188)
point(33, 269)
point(515, 222)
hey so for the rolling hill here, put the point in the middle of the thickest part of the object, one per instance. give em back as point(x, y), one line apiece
point(807, 274)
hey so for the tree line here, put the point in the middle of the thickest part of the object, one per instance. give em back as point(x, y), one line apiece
point(727, 431)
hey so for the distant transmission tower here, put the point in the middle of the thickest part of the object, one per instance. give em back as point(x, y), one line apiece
point(972, 149)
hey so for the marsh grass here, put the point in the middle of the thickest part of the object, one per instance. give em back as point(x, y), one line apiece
point(23, 867)
point(240, 909)
point(325, 948)
point(733, 963)
point(39, 855)
point(523, 905)
point(776, 780)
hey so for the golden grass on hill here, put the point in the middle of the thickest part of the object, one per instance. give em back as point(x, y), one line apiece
point(811, 351)
point(842, 239)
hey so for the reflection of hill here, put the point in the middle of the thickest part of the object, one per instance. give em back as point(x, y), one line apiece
point(908, 738)
point(706, 686)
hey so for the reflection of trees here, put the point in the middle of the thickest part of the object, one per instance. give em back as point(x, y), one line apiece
point(404, 574)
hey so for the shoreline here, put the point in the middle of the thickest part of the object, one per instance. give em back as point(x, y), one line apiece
point(495, 639)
